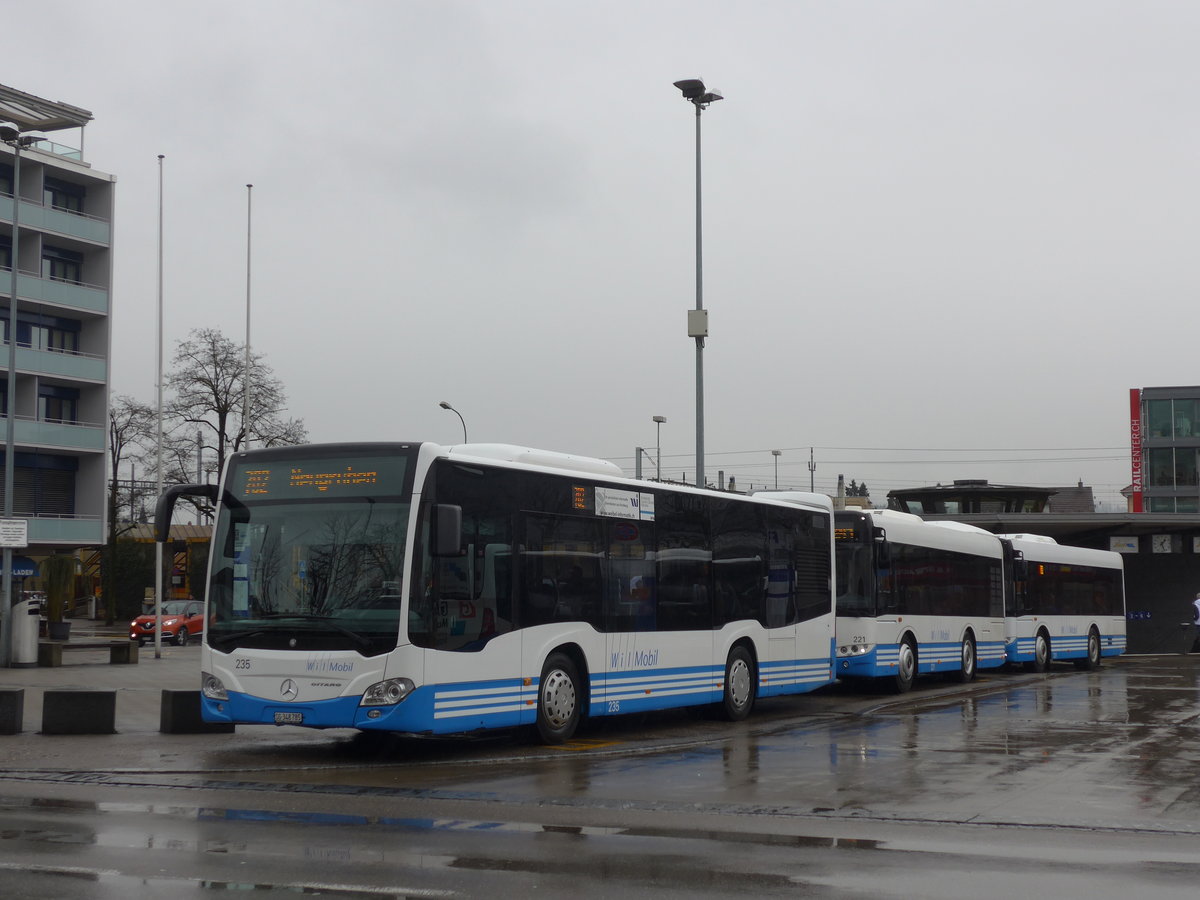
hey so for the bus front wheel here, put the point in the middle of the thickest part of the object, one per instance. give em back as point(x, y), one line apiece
point(906, 667)
point(559, 699)
point(738, 698)
point(1041, 654)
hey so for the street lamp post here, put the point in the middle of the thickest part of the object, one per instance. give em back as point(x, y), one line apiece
point(445, 405)
point(695, 93)
point(776, 454)
point(11, 134)
point(658, 422)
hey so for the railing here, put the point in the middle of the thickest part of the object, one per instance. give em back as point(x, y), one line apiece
point(23, 345)
point(26, 273)
point(74, 422)
point(59, 150)
point(62, 209)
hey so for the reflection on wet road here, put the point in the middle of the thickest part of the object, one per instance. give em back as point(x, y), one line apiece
point(1072, 784)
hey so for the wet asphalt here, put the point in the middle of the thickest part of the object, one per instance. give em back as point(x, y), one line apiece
point(1073, 783)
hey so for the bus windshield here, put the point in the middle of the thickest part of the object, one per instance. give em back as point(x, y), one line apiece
point(308, 554)
point(855, 562)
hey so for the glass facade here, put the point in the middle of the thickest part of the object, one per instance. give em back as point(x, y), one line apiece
point(1171, 449)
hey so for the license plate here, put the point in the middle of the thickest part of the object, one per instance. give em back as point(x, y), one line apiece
point(289, 718)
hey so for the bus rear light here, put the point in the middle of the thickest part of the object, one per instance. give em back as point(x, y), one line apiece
point(388, 693)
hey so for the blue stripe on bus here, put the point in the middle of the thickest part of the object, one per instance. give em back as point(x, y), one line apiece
point(1066, 647)
point(883, 660)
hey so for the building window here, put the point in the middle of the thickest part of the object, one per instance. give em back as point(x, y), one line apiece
point(1185, 467)
point(58, 404)
point(6, 180)
point(63, 195)
point(5, 253)
point(1161, 462)
point(50, 337)
point(1160, 504)
point(62, 265)
point(1158, 418)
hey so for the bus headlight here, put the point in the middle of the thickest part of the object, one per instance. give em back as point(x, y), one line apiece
point(388, 693)
point(212, 688)
point(855, 649)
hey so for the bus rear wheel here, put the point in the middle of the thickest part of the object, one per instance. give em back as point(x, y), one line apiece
point(1041, 654)
point(559, 700)
point(1092, 661)
point(738, 698)
point(969, 662)
point(906, 667)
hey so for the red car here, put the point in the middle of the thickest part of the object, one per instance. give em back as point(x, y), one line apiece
point(180, 620)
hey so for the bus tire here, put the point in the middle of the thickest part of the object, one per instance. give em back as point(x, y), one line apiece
point(1041, 654)
point(1092, 661)
point(738, 697)
point(560, 699)
point(906, 667)
point(969, 662)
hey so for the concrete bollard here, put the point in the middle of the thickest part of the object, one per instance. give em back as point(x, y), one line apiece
point(12, 710)
point(49, 653)
point(180, 714)
point(122, 652)
point(79, 712)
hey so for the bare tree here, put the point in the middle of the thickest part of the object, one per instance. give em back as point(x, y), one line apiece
point(208, 385)
point(130, 427)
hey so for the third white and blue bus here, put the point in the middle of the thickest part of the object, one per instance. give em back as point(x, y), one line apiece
point(1063, 603)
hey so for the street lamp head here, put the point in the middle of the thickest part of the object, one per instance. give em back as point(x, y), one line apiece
point(694, 92)
point(658, 419)
point(777, 453)
point(445, 405)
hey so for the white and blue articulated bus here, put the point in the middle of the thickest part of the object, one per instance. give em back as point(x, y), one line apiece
point(415, 588)
point(916, 597)
point(1064, 603)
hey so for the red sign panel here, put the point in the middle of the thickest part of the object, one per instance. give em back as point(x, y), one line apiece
point(1135, 445)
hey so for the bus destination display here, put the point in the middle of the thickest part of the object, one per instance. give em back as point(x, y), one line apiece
point(318, 478)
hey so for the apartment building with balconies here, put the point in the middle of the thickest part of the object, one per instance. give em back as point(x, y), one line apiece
point(64, 211)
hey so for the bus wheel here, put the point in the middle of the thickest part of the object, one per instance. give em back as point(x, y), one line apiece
point(738, 699)
point(559, 699)
point(966, 672)
point(1041, 654)
point(1093, 653)
point(906, 667)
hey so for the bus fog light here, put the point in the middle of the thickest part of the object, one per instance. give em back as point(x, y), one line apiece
point(212, 688)
point(388, 693)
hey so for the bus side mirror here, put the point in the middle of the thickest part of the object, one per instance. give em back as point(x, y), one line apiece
point(446, 530)
point(883, 555)
point(166, 504)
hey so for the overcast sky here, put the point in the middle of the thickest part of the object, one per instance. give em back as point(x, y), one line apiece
point(941, 239)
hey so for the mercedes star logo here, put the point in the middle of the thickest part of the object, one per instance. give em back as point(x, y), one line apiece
point(288, 690)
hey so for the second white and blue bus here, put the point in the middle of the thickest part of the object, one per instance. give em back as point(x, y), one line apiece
point(915, 597)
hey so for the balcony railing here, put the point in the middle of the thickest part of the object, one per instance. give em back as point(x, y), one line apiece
point(60, 221)
point(59, 150)
point(32, 286)
point(31, 432)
